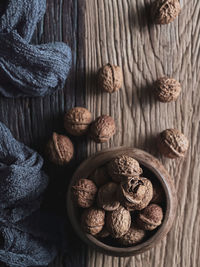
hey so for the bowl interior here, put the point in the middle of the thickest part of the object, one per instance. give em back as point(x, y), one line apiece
point(153, 170)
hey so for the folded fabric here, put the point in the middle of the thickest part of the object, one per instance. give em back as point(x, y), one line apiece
point(26, 232)
point(25, 69)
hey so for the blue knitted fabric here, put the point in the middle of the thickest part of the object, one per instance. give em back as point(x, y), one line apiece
point(26, 235)
point(26, 69)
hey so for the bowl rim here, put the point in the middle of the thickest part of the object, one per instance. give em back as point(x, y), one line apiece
point(164, 178)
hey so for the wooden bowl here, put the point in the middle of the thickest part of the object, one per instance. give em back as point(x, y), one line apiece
point(151, 165)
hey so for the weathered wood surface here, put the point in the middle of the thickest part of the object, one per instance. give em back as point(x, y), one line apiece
point(120, 31)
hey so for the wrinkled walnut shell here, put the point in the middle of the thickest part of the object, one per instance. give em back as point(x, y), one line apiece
point(102, 129)
point(131, 191)
point(118, 222)
point(135, 193)
point(77, 121)
point(172, 143)
point(167, 89)
point(123, 167)
point(93, 220)
point(84, 192)
point(150, 218)
point(100, 176)
point(60, 149)
point(134, 236)
point(165, 11)
point(110, 78)
point(107, 197)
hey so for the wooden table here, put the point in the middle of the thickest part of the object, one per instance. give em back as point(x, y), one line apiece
point(121, 32)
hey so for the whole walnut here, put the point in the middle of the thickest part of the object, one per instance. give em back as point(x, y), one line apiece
point(135, 193)
point(93, 220)
point(118, 222)
point(165, 11)
point(84, 193)
point(107, 197)
point(100, 176)
point(122, 167)
point(60, 149)
point(110, 78)
point(102, 129)
point(167, 89)
point(150, 218)
point(134, 236)
point(77, 121)
point(172, 143)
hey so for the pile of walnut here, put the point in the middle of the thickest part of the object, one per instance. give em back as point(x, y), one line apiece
point(117, 201)
point(78, 122)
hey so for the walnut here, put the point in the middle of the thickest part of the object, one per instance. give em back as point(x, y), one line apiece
point(100, 176)
point(102, 129)
point(165, 11)
point(110, 78)
point(60, 149)
point(93, 220)
point(172, 143)
point(77, 121)
point(107, 197)
point(122, 167)
point(150, 218)
point(118, 222)
point(84, 192)
point(167, 89)
point(135, 193)
point(134, 236)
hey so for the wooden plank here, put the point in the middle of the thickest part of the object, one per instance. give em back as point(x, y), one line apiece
point(120, 32)
point(33, 120)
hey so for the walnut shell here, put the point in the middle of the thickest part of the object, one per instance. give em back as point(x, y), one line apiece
point(172, 143)
point(102, 129)
point(122, 167)
point(77, 121)
point(167, 89)
point(110, 78)
point(135, 193)
point(118, 222)
point(100, 176)
point(60, 149)
point(134, 236)
point(107, 197)
point(165, 11)
point(150, 218)
point(84, 192)
point(93, 220)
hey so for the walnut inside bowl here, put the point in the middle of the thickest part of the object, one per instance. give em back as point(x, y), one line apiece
point(143, 239)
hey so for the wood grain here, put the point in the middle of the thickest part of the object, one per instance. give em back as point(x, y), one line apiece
point(121, 32)
point(32, 120)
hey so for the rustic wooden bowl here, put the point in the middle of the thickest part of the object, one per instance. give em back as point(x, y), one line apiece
point(150, 164)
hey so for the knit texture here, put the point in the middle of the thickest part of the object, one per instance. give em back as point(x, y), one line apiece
point(26, 234)
point(26, 69)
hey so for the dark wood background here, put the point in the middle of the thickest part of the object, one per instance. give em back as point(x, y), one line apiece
point(121, 32)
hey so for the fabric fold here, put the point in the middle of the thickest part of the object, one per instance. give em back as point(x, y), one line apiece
point(26, 69)
point(29, 236)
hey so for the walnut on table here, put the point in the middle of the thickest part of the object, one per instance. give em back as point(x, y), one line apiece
point(77, 121)
point(110, 78)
